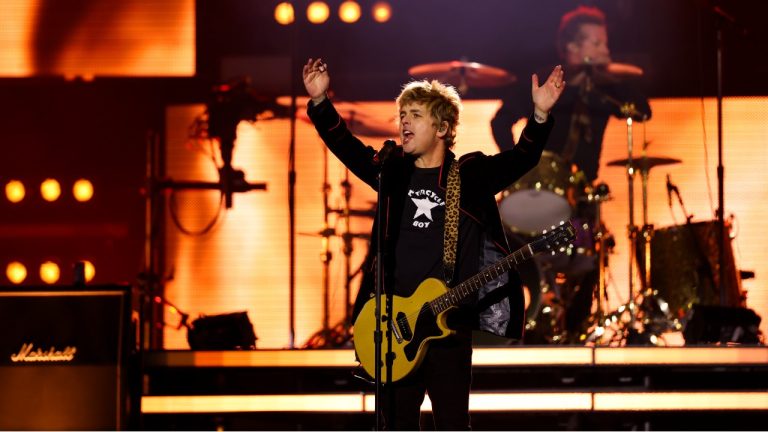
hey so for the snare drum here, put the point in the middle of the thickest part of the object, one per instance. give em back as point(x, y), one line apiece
point(543, 197)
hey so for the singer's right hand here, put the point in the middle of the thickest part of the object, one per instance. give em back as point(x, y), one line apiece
point(316, 80)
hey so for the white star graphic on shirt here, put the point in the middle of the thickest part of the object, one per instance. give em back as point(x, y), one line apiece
point(423, 207)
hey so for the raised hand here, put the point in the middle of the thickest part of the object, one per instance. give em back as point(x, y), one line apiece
point(316, 79)
point(545, 96)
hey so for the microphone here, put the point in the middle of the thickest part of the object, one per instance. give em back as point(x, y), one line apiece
point(381, 156)
point(669, 192)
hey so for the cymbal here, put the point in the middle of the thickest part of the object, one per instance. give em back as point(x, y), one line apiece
point(608, 73)
point(358, 121)
point(463, 74)
point(645, 163)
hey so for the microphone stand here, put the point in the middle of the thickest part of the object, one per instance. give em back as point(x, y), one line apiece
point(377, 315)
point(722, 18)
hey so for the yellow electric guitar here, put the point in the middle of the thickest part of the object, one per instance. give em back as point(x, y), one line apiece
point(422, 316)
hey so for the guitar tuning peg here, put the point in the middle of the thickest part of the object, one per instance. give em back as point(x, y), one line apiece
point(562, 222)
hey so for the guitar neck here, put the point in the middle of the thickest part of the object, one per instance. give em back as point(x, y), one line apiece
point(454, 296)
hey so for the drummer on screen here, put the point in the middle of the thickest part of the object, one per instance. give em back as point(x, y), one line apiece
point(582, 44)
point(597, 89)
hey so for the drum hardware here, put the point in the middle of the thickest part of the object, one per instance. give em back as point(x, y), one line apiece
point(463, 74)
point(600, 319)
point(646, 309)
point(542, 197)
point(605, 73)
point(341, 333)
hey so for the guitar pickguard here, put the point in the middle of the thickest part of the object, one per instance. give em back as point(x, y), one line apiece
point(426, 327)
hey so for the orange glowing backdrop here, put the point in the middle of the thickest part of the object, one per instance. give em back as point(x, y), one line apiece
point(88, 38)
point(242, 264)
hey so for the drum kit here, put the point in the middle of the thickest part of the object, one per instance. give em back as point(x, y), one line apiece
point(567, 299)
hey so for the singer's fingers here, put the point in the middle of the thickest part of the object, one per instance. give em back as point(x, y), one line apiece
point(556, 75)
point(534, 82)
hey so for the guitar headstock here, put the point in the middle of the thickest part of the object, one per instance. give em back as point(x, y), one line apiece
point(558, 237)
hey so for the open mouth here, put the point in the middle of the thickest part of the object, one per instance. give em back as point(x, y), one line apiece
point(407, 136)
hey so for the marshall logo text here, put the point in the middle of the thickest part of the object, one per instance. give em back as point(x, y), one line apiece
point(28, 353)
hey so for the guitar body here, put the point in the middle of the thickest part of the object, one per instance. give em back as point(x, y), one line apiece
point(423, 316)
point(415, 325)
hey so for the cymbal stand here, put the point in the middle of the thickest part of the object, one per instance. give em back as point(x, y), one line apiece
point(326, 255)
point(598, 319)
point(632, 229)
point(628, 328)
point(320, 338)
point(655, 311)
point(647, 231)
point(347, 238)
point(340, 333)
point(600, 257)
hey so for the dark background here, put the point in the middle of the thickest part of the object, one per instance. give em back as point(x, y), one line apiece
point(99, 129)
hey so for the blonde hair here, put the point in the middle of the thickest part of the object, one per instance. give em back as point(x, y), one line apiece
point(441, 100)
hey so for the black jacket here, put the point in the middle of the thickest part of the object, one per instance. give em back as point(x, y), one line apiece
point(500, 305)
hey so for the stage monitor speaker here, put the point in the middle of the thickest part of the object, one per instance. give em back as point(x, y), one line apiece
point(721, 324)
point(63, 357)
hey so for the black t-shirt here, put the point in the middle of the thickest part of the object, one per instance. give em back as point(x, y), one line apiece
point(419, 253)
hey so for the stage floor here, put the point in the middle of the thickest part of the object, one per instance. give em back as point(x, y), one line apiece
point(702, 386)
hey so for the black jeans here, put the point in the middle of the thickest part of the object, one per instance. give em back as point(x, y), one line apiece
point(446, 375)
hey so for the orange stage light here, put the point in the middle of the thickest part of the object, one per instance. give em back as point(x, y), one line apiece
point(381, 12)
point(82, 190)
point(318, 12)
point(284, 13)
point(14, 191)
point(16, 272)
point(50, 189)
point(349, 11)
point(50, 272)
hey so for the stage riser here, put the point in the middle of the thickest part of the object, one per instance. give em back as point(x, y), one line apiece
point(512, 389)
point(624, 420)
point(244, 381)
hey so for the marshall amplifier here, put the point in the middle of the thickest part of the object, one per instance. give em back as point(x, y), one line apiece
point(63, 357)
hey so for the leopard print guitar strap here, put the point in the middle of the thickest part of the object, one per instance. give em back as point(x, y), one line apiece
point(451, 234)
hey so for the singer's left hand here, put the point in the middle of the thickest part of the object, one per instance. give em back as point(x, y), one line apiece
point(545, 95)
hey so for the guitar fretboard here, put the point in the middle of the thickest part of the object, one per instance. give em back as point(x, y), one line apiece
point(454, 296)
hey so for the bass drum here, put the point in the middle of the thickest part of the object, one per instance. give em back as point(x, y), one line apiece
point(543, 197)
point(684, 267)
point(544, 308)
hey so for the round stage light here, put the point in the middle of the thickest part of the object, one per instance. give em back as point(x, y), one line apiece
point(349, 11)
point(16, 272)
point(82, 190)
point(90, 270)
point(50, 189)
point(50, 272)
point(318, 12)
point(382, 12)
point(284, 13)
point(14, 191)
